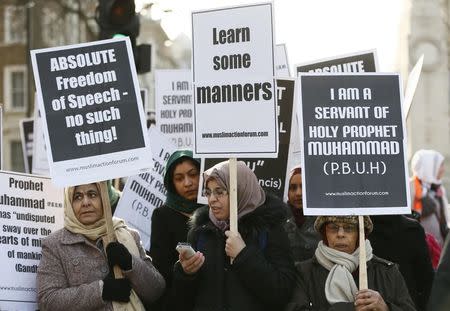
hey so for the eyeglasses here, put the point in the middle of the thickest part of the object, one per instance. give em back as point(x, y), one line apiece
point(218, 192)
point(348, 228)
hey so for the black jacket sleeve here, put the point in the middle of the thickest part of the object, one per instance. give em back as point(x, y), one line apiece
point(300, 300)
point(269, 274)
point(183, 293)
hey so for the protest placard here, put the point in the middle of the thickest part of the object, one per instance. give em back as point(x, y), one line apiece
point(281, 62)
point(39, 160)
point(365, 61)
point(26, 137)
point(271, 173)
point(92, 114)
point(145, 192)
point(353, 137)
point(173, 103)
point(234, 94)
point(30, 209)
point(411, 85)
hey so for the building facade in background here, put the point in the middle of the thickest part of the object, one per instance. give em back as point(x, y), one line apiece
point(429, 121)
point(22, 24)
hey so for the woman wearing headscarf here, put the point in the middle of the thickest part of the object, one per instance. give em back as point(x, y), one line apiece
point(429, 199)
point(329, 280)
point(170, 221)
point(262, 272)
point(75, 272)
point(300, 228)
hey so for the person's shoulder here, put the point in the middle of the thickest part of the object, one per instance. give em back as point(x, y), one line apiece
point(305, 263)
point(56, 237)
point(381, 262)
point(410, 222)
point(161, 212)
point(271, 214)
point(134, 233)
point(413, 226)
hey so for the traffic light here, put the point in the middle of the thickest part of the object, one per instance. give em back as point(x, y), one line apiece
point(118, 18)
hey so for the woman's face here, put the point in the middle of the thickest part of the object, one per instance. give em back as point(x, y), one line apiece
point(295, 191)
point(218, 200)
point(87, 204)
point(440, 173)
point(342, 236)
point(185, 180)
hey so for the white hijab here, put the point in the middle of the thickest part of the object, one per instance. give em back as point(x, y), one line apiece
point(425, 165)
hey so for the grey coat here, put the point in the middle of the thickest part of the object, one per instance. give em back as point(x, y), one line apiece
point(71, 269)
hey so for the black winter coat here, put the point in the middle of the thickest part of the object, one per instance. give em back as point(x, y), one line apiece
point(440, 293)
point(402, 240)
point(168, 228)
point(258, 280)
point(382, 276)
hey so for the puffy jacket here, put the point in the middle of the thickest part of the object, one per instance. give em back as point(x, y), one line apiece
point(261, 276)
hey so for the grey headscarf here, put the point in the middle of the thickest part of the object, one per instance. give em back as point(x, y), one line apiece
point(250, 195)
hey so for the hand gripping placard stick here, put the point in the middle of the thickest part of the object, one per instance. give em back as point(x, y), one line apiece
point(362, 255)
point(233, 197)
point(110, 235)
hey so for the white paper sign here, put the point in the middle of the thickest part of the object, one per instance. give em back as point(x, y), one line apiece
point(173, 102)
point(40, 164)
point(281, 62)
point(145, 192)
point(93, 117)
point(235, 112)
point(30, 208)
point(411, 85)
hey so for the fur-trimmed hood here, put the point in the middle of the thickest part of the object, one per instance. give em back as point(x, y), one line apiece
point(270, 214)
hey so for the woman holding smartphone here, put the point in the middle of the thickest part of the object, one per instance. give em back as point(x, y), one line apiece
point(262, 272)
point(169, 222)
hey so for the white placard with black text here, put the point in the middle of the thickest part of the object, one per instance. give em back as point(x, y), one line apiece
point(235, 112)
point(281, 62)
point(145, 192)
point(173, 103)
point(30, 209)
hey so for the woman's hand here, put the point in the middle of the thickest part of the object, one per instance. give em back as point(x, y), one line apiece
point(119, 255)
point(368, 299)
point(234, 244)
point(191, 264)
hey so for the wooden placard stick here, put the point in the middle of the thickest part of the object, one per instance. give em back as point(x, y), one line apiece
point(110, 235)
point(362, 255)
point(233, 196)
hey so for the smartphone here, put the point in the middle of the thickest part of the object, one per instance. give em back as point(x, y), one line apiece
point(186, 247)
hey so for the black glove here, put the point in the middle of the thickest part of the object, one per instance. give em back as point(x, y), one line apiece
point(116, 289)
point(119, 255)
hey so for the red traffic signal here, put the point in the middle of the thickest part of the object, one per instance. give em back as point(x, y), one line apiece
point(117, 17)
